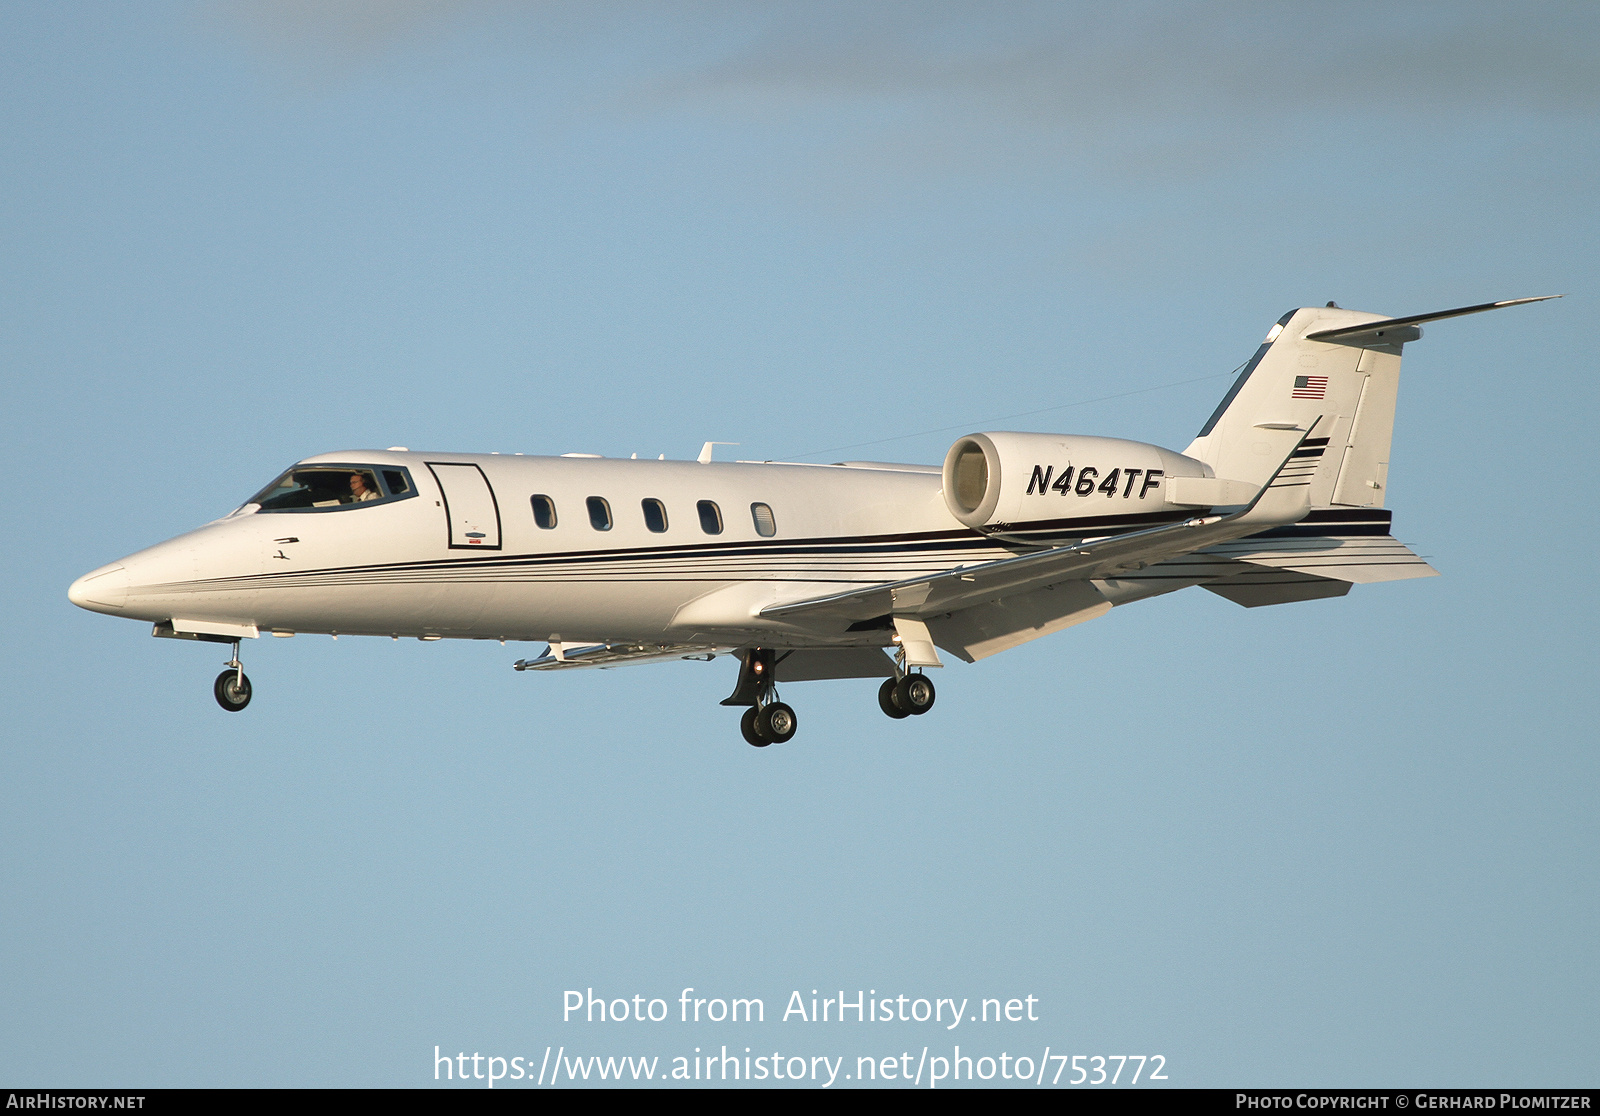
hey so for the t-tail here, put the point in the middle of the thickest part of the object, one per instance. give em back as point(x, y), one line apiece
point(1323, 384)
point(1335, 370)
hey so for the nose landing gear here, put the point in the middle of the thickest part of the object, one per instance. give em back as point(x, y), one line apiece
point(232, 687)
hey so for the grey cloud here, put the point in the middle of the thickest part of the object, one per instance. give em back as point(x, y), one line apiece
point(1137, 91)
point(1060, 61)
point(344, 25)
point(1044, 61)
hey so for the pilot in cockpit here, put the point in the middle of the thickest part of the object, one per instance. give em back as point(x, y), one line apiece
point(359, 490)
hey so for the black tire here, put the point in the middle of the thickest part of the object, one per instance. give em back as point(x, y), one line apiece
point(747, 725)
point(914, 693)
point(777, 723)
point(886, 699)
point(229, 692)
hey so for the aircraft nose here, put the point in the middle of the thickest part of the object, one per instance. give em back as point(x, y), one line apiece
point(102, 590)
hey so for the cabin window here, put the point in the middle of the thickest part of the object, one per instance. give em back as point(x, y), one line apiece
point(655, 515)
point(544, 511)
point(322, 487)
point(766, 525)
point(710, 517)
point(599, 514)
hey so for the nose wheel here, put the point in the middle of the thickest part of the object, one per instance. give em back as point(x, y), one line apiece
point(232, 687)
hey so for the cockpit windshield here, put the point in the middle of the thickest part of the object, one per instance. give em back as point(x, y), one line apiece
point(315, 487)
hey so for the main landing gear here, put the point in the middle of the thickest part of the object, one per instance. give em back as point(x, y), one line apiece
point(773, 723)
point(232, 687)
point(768, 720)
point(906, 696)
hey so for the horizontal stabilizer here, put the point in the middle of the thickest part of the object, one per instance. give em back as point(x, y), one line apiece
point(1359, 560)
point(1396, 331)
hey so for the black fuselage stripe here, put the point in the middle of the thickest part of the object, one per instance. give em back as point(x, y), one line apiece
point(896, 554)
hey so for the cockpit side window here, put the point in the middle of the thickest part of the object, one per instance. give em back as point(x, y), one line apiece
point(324, 487)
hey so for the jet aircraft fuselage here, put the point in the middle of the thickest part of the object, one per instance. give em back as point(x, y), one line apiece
point(812, 571)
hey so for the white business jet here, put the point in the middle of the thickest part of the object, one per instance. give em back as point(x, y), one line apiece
point(812, 571)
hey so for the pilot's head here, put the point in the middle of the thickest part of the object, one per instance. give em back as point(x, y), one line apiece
point(358, 484)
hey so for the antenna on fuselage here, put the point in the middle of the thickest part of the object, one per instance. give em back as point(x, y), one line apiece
point(705, 451)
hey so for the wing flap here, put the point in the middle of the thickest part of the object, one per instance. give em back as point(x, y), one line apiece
point(604, 655)
point(814, 664)
point(992, 627)
point(1272, 587)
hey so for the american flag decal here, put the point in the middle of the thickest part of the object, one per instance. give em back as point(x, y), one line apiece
point(1309, 387)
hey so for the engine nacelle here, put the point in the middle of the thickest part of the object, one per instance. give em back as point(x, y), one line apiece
point(1042, 486)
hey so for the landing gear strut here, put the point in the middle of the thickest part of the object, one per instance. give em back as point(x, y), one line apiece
point(767, 720)
point(232, 687)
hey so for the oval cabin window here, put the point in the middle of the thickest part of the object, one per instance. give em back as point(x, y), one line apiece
point(710, 517)
point(766, 525)
point(655, 515)
point(544, 511)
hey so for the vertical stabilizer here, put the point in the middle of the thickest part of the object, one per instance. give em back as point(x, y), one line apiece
point(1347, 388)
point(1338, 369)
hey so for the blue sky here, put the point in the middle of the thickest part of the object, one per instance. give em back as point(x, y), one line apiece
point(1345, 842)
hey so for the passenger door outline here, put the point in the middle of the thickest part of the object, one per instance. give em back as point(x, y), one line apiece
point(474, 531)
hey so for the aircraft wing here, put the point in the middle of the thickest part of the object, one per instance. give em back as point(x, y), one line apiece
point(569, 656)
point(1279, 501)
